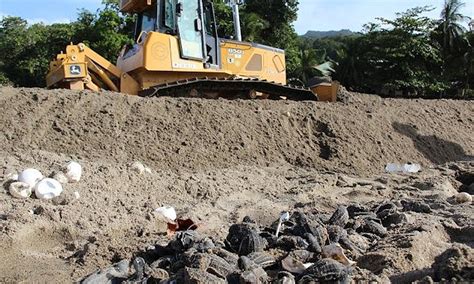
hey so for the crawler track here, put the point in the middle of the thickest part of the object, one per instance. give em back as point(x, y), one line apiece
point(230, 88)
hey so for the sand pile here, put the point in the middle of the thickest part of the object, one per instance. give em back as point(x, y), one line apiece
point(217, 161)
point(359, 137)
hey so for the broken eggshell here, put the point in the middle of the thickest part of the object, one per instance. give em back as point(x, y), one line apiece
point(294, 262)
point(167, 213)
point(11, 176)
point(20, 189)
point(336, 252)
point(30, 176)
point(73, 171)
point(61, 177)
point(138, 167)
point(285, 216)
point(48, 188)
point(463, 197)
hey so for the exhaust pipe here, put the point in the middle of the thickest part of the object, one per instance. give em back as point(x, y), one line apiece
point(235, 11)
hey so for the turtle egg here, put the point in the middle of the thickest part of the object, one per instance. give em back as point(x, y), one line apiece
point(30, 176)
point(20, 189)
point(138, 167)
point(48, 188)
point(73, 171)
point(463, 197)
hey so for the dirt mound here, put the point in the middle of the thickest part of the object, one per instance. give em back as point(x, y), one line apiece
point(217, 161)
point(194, 134)
point(456, 262)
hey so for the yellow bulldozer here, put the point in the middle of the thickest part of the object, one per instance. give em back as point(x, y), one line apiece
point(177, 52)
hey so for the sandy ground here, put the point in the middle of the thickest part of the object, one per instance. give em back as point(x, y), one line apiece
point(217, 161)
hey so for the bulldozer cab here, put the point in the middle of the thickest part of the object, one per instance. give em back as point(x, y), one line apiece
point(192, 21)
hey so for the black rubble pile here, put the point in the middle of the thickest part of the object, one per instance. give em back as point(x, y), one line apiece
point(310, 247)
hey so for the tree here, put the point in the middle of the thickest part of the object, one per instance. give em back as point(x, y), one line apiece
point(468, 59)
point(253, 26)
point(12, 47)
point(25, 51)
point(450, 23)
point(224, 18)
point(309, 58)
point(455, 47)
point(350, 65)
point(393, 56)
point(273, 26)
point(331, 45)
point(105, 31)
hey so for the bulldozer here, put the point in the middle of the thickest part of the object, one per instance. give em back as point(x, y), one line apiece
point(178, 52)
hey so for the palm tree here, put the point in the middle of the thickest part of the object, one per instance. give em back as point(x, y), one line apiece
point(349, 68)
point(450, 25)
point(452, 34)
point(309, 59)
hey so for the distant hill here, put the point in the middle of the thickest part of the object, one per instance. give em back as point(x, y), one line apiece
point(322, 34)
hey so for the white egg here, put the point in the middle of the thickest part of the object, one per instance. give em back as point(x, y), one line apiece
point(48, 188)
point(73, 171)
point(30, 176)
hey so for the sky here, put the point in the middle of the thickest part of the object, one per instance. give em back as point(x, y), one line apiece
point(319, 15)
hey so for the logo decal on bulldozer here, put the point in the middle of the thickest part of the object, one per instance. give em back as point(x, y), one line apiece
point(75, 70)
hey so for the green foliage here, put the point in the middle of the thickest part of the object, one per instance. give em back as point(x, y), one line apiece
point(253, 26)
point(450, 24)
point(105, 31)
point(309, 58)
point(25, 51)
point(455, 45)
point(224, 19)
point(410, 54)
point(4, 81)
point(397, 56)
point(270, 22)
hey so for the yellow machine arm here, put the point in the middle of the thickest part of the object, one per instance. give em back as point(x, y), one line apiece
point(82, 68)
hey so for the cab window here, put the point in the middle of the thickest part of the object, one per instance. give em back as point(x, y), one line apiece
point(149, 21)
point(169, 14)
point(146, 22)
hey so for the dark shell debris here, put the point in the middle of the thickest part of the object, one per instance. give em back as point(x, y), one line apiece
point(311, 247)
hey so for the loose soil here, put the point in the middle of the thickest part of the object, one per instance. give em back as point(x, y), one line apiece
point(217, 161)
